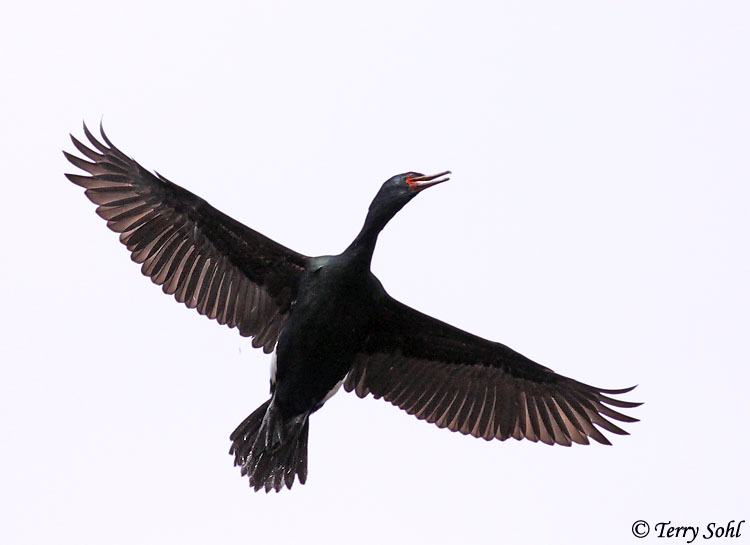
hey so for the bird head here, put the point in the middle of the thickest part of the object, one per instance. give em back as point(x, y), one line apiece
point(396, 192)
point(401, 188)
point(414, 182)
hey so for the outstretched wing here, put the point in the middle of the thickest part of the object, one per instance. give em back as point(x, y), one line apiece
point(462, 382)
point(208, 260)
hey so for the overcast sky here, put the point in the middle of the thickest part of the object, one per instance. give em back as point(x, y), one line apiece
point(597, 221)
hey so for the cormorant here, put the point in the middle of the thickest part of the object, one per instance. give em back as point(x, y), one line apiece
point(331, 323)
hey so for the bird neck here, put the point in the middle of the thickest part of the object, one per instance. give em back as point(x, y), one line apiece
point(363, 246)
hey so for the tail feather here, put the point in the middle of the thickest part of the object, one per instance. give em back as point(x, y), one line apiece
point(270, 449)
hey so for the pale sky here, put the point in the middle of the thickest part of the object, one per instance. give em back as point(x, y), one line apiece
point(597, 221)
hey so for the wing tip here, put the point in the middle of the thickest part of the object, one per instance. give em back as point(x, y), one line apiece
point(617, 391)
point(81, 181)
point(104, 135)
point(617, 402)
point(94, 141)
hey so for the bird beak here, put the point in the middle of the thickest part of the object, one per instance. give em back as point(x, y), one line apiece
point(423, 182)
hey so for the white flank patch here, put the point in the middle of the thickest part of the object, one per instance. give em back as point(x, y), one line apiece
point(273, 368)
point(335, 389)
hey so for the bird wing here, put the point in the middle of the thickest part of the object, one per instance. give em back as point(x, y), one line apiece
point(462, 382)
point(208, 260)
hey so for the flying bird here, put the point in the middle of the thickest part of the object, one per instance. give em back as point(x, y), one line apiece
point(329, 322)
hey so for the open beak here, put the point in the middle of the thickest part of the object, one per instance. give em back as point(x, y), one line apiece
point(423, 182)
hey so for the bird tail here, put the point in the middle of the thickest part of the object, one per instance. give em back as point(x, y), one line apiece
point(271, 449)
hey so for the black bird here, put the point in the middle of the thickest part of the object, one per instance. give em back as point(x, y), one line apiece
point(331, 323)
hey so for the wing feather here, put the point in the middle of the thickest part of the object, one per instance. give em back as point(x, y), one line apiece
point(458, 381)
point(204, 258)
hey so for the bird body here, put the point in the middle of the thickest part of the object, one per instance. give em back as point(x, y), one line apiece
point(326, 329)
point(331, 322)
